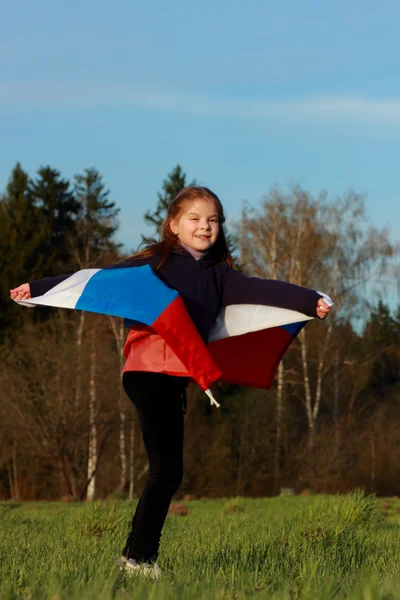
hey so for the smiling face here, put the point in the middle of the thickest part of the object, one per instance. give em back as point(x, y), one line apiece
point(197, 226)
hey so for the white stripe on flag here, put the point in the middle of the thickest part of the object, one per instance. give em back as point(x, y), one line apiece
point(238, 319)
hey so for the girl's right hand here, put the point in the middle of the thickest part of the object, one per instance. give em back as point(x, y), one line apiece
point(22, 292)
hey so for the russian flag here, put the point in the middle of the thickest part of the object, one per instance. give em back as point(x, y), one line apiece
point(245, 346)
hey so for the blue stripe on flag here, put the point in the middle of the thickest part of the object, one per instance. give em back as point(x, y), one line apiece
point(131, 292)
point(294, 328)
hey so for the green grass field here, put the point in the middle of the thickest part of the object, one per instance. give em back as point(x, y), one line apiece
point(317, 547)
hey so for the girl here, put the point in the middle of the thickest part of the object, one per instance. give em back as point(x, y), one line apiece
point(192, 258)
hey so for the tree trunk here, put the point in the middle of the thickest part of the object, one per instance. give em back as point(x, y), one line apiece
point(132, 461)
point(78, 380)
point(336, 398)
point(68, 474)
point(10, 480)
point(122, 442)
point(122, 437)
point(373, 461)
point(244, 448)
point(307, 389)
point(278, 437)
point(118, 332)
point(92, 460)
point(17, 495)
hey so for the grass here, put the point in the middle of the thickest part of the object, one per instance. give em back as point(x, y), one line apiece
point(316, 547)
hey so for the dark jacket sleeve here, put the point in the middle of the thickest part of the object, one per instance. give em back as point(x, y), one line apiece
point(240, 289)
point(41, 286)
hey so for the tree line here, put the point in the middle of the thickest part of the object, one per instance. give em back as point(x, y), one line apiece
point(327, 424)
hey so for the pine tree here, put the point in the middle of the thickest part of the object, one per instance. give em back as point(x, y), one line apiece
point(96, 221)
point(20, 224)
point(381, 342)
point(58, 210)
point(382, 329)
point(21, 236)
point(175, 181)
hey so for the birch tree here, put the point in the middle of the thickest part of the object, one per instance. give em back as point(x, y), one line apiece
point(261, 254)
point(117, 327)
point(310, 242)
point(92, 244)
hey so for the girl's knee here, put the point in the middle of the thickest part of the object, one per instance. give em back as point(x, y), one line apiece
point(167, 478)
point(175, 482)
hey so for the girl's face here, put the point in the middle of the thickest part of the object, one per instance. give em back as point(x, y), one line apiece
point(197, 225)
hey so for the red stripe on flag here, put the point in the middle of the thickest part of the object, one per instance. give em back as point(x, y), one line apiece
point(253, 358)
point(178, 330)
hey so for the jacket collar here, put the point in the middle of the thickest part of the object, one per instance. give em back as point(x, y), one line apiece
point(206, 259)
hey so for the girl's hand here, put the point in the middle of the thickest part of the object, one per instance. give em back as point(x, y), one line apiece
point(22, 292)
point(323, 308)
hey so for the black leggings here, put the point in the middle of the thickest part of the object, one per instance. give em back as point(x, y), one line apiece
point(159, 400)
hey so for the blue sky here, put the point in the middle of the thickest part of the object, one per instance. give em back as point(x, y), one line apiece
point(244, 95)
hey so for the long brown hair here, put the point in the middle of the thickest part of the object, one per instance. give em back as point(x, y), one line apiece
point(168, 240)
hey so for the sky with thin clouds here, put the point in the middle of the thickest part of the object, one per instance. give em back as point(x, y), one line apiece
point(243, 94)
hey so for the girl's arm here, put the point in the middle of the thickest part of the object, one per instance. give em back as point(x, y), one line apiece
point(240, 289)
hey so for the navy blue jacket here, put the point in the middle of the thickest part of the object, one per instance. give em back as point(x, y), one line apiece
point(205, 287)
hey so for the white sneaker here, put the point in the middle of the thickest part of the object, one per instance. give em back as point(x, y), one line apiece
point(144, 569)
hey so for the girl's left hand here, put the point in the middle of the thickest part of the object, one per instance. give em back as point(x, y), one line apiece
point(323, 308)
point(22, 292)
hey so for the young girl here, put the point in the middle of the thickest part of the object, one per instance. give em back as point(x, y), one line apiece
point(192, 258)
